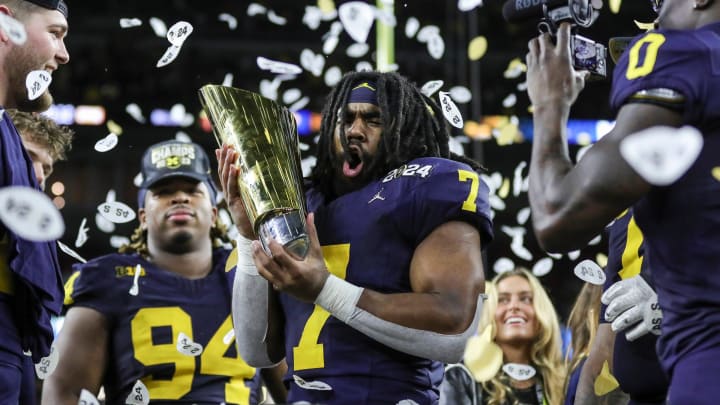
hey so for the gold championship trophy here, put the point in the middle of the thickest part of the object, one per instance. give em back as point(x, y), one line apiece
point(265, 136)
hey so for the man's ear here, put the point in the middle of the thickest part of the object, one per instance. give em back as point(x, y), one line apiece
point(214, 215)
point(142, 219)
point(4, 38)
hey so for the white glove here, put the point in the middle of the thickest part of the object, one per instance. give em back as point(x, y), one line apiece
point(632, 301)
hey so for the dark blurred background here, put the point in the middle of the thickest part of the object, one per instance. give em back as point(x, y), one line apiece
point(113, 67)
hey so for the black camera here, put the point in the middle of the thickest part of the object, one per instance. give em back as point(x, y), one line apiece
point(586, 53)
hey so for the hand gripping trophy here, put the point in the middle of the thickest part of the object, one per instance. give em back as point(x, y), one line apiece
point(265, 136)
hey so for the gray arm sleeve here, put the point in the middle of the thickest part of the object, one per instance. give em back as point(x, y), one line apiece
point(417, 342)
point(250, 309)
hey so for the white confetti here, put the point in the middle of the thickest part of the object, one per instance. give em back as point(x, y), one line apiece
point(116, 241)
point(67, 250)
point(411, 27)
point(276, 19)
point(134, 111)
point(542, 267)
point(467, 5)
point(518, 178)
point(330, 44)
point(519, 249)
point(139, 395)
point(138, 179)
point(312, 17)
point(130, 22)
point(30, 214)
point(14, 29)
point(519, 372)
point(186, 346)
point(594, 241)
point(460, 94)
point(277, 67)
point(229, 337)
point(307, 165)
point(429, 88)
point(332, 76)
point(588, 271)
point(436, 47)
point(116, 212)
point(450, 110)
point(229, 19)
point(496, 203)
point(357, 18)
point(227, 80)
point(312, 62)
point(311, 385)
point(521, 86)
point(503, 265)
point(300, 104)
point(107, 143)
point(182, 137)
point(87, 398)
point(255, 9)
point(46, 366)
point(385, 17)
point(103, 224)
point(169, 56)
point(363, 66)
point(135, 287)
point(158, 26)
point(509, 101)
point(661, 155)
point(82, 234)
point(357, 50)
point(523, 215)
point(573, 255)
point(427, 32)
point(291, 95)
point(179, 32)
point(37, 81)
point(269, 88)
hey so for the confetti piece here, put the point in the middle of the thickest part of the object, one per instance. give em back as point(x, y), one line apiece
point(450, 110)
point(615, 6)
point(326, 6)
point(645, 26)
point(300, 104)
point(30, 214)
point(229, 19)
point(312, 62)
point(186, 346)
point(87, 398)
point(605, 382)
point(37, 81)
point(436, 47)
point(515, 68)
point(158, 26)
point(357, 18)
point(312, 17)
point(46, 366)
point(291, 95)
point(357, 50)
point(113, 127)
point(411, 27)
point(363, 66)
point(14, 29)
point(519, 372)
point(134, 111)
point(661, 155)
point(332, 76)
point(116, 212)
point(517, 247)
point(103, 224)
point(467, 5)
point(255, 9)
point(477, 48)
point(169, 56)
point(179, 32)
point(116, 241)
point(518, 178)
point(229, 337)
point(135, 288)
point(509, 101)
point(460, 94)
point(107, 143)
point(316, 385)
point(130, 22)
point(82, 234)
point(523, 215)
point(429, 88)
point(503, 265)
point(542, 267)
point(589, 272)
point(139, 395)
point(67, 250)
point(276, 19)
point(277, 67)
point(483, 357)
point(427, 32)
point(330, 44)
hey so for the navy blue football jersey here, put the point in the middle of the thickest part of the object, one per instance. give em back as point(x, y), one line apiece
point(635, 364)
point(368, 238)
point(681, 222)
point(145, 338)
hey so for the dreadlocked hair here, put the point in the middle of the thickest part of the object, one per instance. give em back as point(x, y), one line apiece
point(138, 240)
point(413, 127)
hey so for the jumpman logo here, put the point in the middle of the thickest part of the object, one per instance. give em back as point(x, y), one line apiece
point(377, 196)
point(365, 85)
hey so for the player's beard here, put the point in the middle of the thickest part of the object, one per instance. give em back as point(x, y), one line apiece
point(19, 62)
point(343, 184)
point(180, 242)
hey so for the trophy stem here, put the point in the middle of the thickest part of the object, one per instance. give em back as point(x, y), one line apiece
point(288, 229)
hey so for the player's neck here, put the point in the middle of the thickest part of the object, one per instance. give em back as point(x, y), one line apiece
point(519, 354)
point(193, 264)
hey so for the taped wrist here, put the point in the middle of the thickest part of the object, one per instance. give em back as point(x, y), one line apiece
point(245, 262)
point(339, 297)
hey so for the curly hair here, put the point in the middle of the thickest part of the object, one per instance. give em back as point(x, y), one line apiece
point(413, 127)
point(138, 240)
point(56, 139)
point(545, 354)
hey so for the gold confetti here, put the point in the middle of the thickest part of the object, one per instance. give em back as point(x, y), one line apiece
point(232, 260)
point(113, 127)
point(515, 68)
point(477, 48)
point(482, 356)
point(615, 6)
point(716, 172)
point(504, 189)
point(645, 26)
point(601, 259)
point(326, 6)
point(605, 382)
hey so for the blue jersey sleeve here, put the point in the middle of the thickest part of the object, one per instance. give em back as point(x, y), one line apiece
point(102, 284)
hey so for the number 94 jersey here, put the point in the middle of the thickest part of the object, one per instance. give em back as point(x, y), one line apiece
point(368, 238)
point(170, 332)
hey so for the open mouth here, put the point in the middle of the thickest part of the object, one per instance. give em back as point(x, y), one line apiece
point(515, 320)
point(353, 164)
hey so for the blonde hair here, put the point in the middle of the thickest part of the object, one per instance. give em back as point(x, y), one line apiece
point(545, 354)
point(583, 324)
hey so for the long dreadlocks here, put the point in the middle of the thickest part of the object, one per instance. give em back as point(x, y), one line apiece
point(413, 127)
point(138, 240)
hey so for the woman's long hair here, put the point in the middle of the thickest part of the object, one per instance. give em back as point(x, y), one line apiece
point(545, 355)
point(583, 324)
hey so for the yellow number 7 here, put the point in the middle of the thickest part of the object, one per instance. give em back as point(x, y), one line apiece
point(469, 203)
point(309, 353)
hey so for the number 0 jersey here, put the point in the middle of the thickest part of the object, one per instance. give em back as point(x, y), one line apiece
point(681, 222)
point(368, 238)
point(145, 341)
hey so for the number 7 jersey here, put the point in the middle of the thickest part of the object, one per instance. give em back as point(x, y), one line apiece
point(368, 238)
point(174, 334)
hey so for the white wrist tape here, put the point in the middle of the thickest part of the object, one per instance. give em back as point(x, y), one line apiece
point(339, 297)
point(245, 262)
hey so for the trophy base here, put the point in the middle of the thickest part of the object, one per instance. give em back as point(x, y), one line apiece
point(288, 229)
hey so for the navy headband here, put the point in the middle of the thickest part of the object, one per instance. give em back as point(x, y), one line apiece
point(363, 92)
